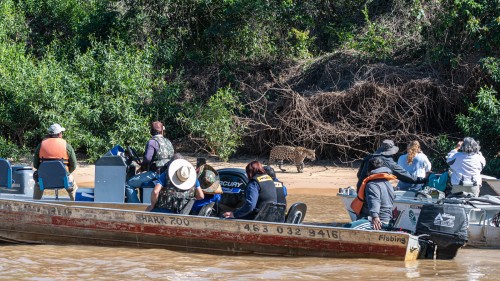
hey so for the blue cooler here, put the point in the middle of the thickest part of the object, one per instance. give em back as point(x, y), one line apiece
point(84, 194)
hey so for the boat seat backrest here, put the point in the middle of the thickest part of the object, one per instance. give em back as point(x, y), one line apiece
point(438, 181)
point(187, 209)
point(53, 175)
point(272, 212)
point(5, 173)
point(207, 210)
point(296, 213)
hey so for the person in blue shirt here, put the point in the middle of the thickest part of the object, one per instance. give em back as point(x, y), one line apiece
point(175, 187)
point(281, 192)
point(208, 179)
point(260, 190)
point(416, 163)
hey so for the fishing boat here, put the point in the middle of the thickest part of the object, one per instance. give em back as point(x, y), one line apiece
point(483, 213)
point(66, 222)
point(103, 219)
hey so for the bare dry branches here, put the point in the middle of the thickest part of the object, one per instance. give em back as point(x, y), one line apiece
point(383, 102)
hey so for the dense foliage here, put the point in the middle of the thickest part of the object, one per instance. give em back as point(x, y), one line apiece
point(105, 68)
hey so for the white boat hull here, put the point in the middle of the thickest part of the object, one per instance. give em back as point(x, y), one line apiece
point(482, 232)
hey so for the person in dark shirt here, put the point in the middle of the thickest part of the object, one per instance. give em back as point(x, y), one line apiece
point(385, 152)
point(260, 190)
point(281, 191)
point(378, 196)
point(158, 152)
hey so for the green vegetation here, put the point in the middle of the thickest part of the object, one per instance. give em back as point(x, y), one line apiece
point(105, 68)
point(214, 123)
point(482, 122)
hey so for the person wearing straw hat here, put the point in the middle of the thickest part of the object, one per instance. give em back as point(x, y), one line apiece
point(175, 187)
point(385, 152)
point(54, 147)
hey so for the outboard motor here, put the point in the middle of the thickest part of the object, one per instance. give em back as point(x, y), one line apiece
point(233, 182)
point(445, 227)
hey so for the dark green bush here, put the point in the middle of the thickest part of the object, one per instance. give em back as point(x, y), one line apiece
point(215, 123)
point(482, 122)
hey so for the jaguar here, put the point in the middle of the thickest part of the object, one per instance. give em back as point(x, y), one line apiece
point(295, 154)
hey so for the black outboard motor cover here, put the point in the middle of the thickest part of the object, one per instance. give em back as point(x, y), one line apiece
point(446, 225)
point(233, 182)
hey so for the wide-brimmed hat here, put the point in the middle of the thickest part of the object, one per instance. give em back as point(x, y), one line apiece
point(55, 129)
point(182, 174)
point(387, 148)
point(209, 179)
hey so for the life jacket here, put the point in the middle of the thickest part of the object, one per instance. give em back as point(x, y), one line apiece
point(267, 191)
point(54, 149)
point(280, 192)
point(162, 155)
point(172, 198)
point(357, 203)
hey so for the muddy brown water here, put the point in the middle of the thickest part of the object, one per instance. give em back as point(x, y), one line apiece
point(50, 262)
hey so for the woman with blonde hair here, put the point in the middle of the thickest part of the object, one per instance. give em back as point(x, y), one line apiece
point(416, 163)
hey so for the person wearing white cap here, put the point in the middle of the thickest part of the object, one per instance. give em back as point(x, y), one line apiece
point(175, 187)
point(54, 147)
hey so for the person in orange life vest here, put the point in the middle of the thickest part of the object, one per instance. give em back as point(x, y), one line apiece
point(54, 147)
point(375, 198)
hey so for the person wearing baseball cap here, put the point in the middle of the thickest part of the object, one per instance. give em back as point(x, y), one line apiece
point(54, 147)
point(385, 152)
point(158, 152)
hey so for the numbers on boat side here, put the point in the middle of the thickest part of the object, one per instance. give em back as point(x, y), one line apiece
point(179, 221)
point(323, 233)
point(292, 231)
point(256, 228)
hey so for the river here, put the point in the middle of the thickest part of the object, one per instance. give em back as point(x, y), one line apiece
point(50, 262)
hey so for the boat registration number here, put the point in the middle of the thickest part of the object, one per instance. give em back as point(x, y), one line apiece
point(292, 231)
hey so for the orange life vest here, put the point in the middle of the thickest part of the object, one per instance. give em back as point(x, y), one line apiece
point(357, 203)
point(54, 149)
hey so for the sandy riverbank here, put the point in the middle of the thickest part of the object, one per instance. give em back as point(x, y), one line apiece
point(317, 178)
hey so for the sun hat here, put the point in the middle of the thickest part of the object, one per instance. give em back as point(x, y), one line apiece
point(182, 174)
point(387, 148)
point(55, 129)
point(209, 180)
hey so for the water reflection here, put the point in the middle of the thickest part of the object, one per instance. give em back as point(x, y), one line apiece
point(48, 262)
